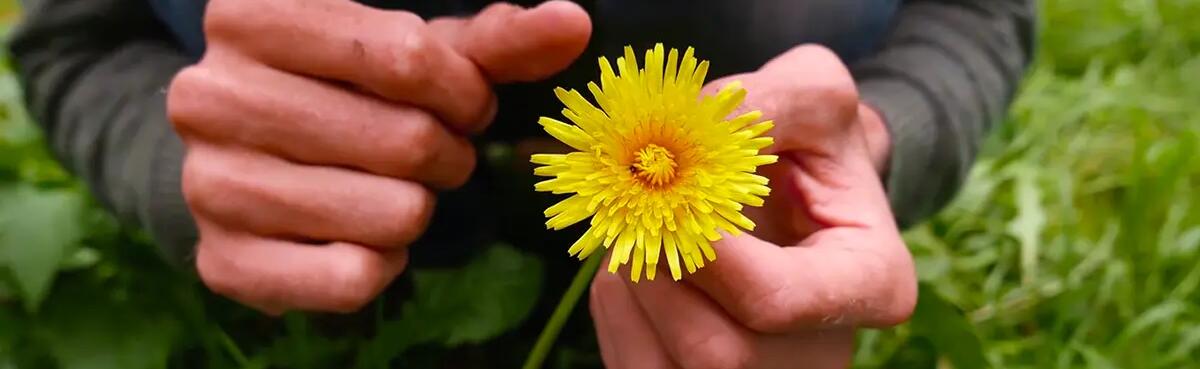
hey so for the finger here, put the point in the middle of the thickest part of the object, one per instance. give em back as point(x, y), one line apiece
point(389, 53)
point(823, 67)
point(838, 277)
point(822, 101)
point(627, 339)
point(693, 329)
point(808, 93)
point(855, 270)
point(316, 123)
point(274, 198)
point(813, 191)
point(512, 44)
point(781, 219)
point(699, 334)
point(277, 276)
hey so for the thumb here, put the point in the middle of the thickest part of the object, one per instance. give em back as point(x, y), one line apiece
point(512, 44)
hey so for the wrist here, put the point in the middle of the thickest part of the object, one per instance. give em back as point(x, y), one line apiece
point(879, 140)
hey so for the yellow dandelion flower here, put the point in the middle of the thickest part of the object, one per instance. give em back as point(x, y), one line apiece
point(659, 168)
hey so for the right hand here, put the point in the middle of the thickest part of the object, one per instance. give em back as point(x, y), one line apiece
point(316, 130)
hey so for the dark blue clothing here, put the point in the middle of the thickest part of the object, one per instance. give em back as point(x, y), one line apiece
point(736, 36)
point(941, 72)
point(740, 34)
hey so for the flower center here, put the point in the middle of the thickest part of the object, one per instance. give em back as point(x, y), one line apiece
point(654, 164)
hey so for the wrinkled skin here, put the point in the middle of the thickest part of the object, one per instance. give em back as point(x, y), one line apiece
point(315, 126)
point(826, 256)
point(290, 118)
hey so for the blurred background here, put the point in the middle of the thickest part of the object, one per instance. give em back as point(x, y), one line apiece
point(1075, 244)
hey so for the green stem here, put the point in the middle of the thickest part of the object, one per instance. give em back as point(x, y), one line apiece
point(567, 304)
point(235, 353)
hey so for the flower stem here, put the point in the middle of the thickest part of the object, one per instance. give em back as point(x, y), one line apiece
point(232, 349)
point(561, 312)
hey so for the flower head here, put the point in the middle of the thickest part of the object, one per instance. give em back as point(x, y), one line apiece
point(660, 170)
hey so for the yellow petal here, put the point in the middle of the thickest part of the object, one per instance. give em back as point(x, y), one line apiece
point(672, 257)
point(568, 134)
point(643, 217)
point(547, 159)
point(639, 257)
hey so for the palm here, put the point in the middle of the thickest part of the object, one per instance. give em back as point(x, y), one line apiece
point(783, 219)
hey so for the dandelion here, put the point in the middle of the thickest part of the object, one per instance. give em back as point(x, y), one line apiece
point(659, 169)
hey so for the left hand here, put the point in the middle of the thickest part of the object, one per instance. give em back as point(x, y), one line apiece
point(826, 257)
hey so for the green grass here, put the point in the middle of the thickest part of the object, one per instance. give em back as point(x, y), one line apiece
point(1075, 244)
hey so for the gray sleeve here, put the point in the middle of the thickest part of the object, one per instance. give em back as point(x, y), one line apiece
point(94, 74)
point(945, 75)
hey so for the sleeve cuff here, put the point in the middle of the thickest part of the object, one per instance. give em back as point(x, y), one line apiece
point(907, 114)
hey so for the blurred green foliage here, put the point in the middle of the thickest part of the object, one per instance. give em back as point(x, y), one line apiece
point(1076, 242)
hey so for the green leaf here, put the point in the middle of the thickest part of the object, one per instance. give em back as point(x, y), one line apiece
point(81, 259)
point(948, 329)
point(13, 327)
point(38, 229)
point(301, 348)
point(1030, 221)
point(1159, 315)
point(492, 294)
point(84, 328)
point(916, 353)
point(1189, 342)
point(7, 291)
point(1094, 358)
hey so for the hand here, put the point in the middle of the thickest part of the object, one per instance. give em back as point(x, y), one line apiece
point(317, 129)
point(826, 257)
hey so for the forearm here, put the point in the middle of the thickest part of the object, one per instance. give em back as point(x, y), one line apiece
point(944, 77)
point(94, 77)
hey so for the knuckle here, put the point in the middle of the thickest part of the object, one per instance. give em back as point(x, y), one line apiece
point(406, 18)
point(500, 9)
point(418, 144)
point(213, 186)
point(831, 106)
point(773, 308)
point(408, 216)
point(841, 95)
point(202, 182)
point(842, 98)
point(398, 149)
point(216, 271)
point(463, 173)
point(201, 98)
point(817, 52)
point(410, 58)
point(225, 17)
point(772, 312)
point(829, 97)
point(422, 211)
point(183, 97)
point(495, 14)
point(422, 134)
point(356, 280)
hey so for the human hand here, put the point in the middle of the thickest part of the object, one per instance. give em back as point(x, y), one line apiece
point(826, 257)
point(317, 129)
